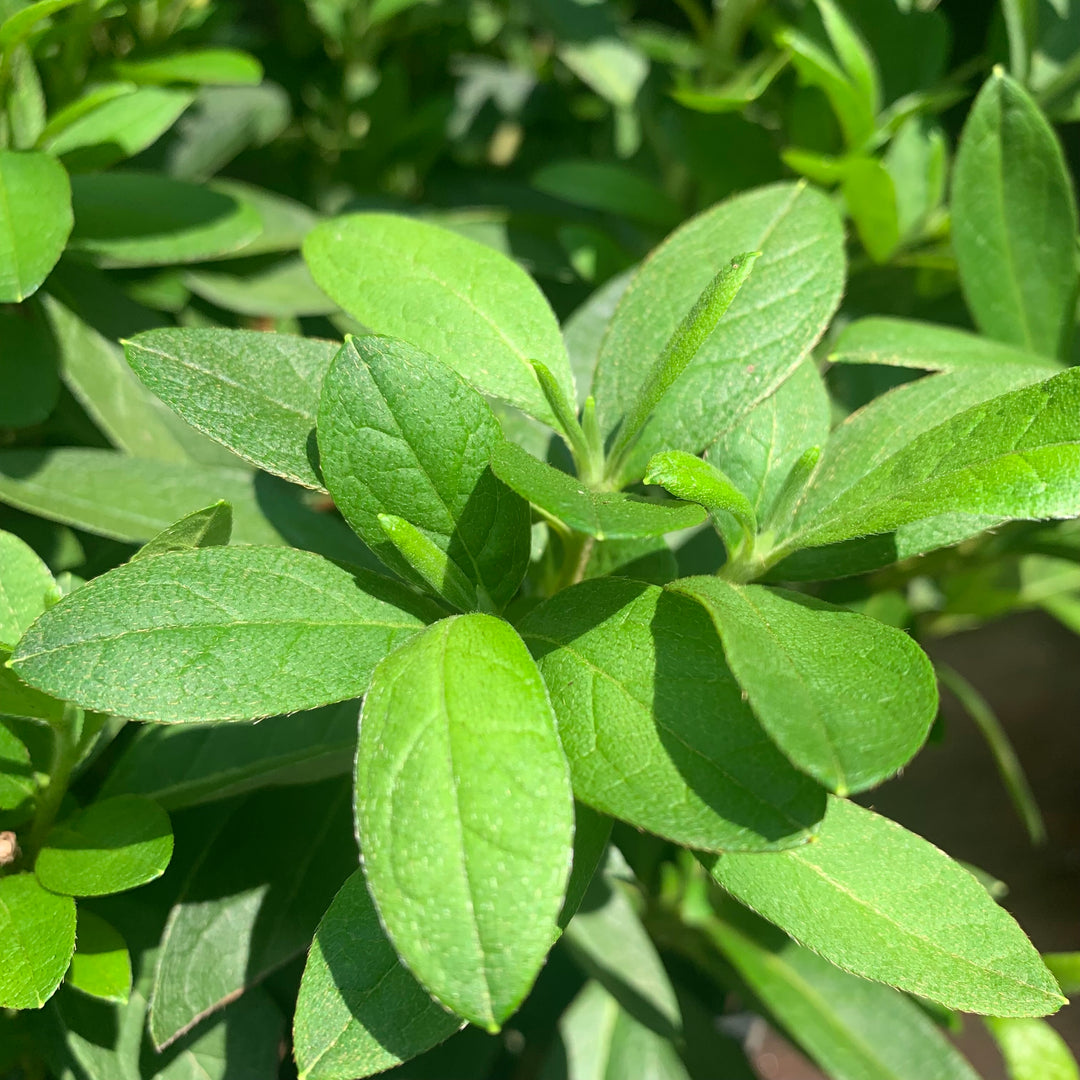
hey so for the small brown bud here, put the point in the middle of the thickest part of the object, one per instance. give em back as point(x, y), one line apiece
point(9, 848)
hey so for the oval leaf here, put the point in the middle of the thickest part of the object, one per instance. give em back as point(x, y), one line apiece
point(654, 723)
point(881, 902)
point(101, 966)
point(26, 587)
point(37, 938)
point(464, 813)
point(218, 634)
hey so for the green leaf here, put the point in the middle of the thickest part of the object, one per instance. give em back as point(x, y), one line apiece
point(853, 52)
point(847, 699)
point(1015, 456)
point(426, 561)
point(119, 127)
point(402, 434)
point(1066, 969)
point(221, 67)
point(1014, 222)
point(591, 834)
point(35, 220)
point(252, 901)
point(464, 303)
point(143, 219)
point(871, 199)
point(17, 784)
point(465, 822)
point(209, 527)
point(28, 366)
point(111, 846)
point(654, 724)
point(599, 1040)
point(853, 1029)
point(37, 938)
point(607, 939)
point(770, 328)
point(18, 27)
point(183, 765)
point(601, 514)
point(26, 588)
point(129, 416)
point(254, 392)
point(1033, 1050)
point(360, 1011)
point(101, 966)
point(133, 499)
point(908, 343)
point(584, 330)
point(19, 700)
point(220, 633)
point(281, 290)
point(760, 453)
point(609, 188)
point(883, 903)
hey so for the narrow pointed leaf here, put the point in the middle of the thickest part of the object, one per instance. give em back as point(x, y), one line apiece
point(606, 515)
point(37, 938)
point(360, 1011)
point(218, 634)
point(256, 393)
point(209, 527)
point(101, 966)
point(402, 434)
point(465, 821)
point(404, 277)
point(883, 903)
point(1014, 222)
point(848, 699)
point(654, 724)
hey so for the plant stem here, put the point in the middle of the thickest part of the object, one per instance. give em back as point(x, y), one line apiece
point(65, 755)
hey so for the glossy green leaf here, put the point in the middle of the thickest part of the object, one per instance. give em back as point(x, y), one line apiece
point(252, 901)
point(848, 699)
point(222, 67)
point(770, 328)
point(1014, 222)
point(1015, 456)
point(360, 1011)
point(599, 1040)
point(882, 903)
point(144, 219)
point(26, 588)
point(101, 966)
point(17, 784)
point(134, 499)
point(208, 527)
point(28, 366)
point(119, 127)
point(401, 434)
point(465, 822)
point(37, 938)
point(183, 765)
point(609, 942)
point(404, 277)
point(654, 724)
point(605, 515)
point(218, 633)
point(853, 1029)
point(1033, 1050)
point(908, 343)
point(256, 393)
point(111, 846)
point(35, 220)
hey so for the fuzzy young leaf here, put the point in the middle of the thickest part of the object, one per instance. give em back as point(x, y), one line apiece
point(853, 1029)
point(37, 938)
point(209, 527)
point(252, 901)
point(218, 634)
point(468, 885)
point(881, 902)
point(35, 220)
point(112, 845)
point(101, 966)
point(654, 724)
point(403, 435)
point(848, 699)
point(256, 393)
point(775, 320)
point(360, 1011)
point(1014, 222)
point(605, 515)
point(408, 278)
